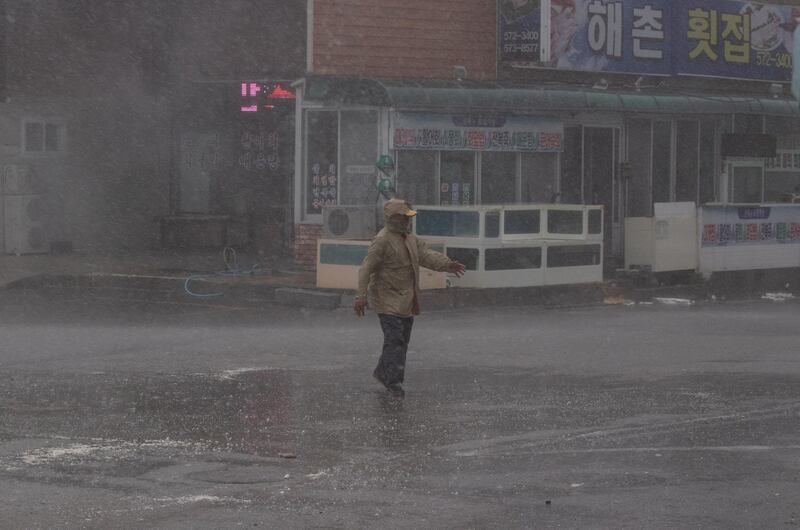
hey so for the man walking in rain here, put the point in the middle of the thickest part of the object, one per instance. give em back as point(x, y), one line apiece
point(388, 281)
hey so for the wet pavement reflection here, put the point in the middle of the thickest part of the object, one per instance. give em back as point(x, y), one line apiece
point(324, 417)
point(467, 447)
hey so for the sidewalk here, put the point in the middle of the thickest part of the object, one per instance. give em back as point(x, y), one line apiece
point(16, 268)
point(155, 275)
point(246, 280)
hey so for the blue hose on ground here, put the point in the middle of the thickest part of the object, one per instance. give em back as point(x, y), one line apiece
point(232, 270)
point(198, 295)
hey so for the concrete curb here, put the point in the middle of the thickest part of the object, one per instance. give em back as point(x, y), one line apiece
point(148, 288)
point(234, 291)
point(458, 298)
point(247, 291)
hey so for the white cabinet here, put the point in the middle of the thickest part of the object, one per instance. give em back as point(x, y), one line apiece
point(665, 242)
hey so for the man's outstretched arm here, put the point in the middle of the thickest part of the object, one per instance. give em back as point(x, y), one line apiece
point(436, 261)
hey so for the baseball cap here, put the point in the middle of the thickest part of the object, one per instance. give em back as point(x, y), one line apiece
point(398, 206)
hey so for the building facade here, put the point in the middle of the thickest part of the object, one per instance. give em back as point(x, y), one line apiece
point(126, 126)
point(630, 104)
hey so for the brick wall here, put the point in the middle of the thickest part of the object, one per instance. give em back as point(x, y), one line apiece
point(305, 245)
point(405, 38)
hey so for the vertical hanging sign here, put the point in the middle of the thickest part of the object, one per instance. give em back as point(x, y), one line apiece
point(796, 63)
point(544, 41)
point(520, 31)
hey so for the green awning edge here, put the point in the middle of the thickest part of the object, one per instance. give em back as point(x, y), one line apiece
point(444, 96)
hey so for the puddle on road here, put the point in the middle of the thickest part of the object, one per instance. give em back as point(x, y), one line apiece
point(467, 439)
point(321, 417)
point(241, 474)
point(252, 413)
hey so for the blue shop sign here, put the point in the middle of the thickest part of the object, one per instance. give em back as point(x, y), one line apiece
point(734, 39)
point(611, 36)
point(712, 38)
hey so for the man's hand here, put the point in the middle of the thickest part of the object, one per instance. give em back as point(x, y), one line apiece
point(360, 306)
point(456, 268)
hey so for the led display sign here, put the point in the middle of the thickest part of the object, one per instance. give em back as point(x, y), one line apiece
point(260, 97)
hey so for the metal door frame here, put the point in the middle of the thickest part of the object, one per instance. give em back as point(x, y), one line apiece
point(617, 201)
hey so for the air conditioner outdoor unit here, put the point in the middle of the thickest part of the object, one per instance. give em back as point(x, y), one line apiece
point(24, 227)
point(19, 179)
point(348, 222)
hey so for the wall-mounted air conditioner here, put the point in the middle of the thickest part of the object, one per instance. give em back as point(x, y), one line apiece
point(348, 222)
point(19, 179)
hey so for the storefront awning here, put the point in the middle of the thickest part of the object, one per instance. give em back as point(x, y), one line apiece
point(444, 96)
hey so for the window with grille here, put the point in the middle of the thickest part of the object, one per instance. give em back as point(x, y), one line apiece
point(43, 137)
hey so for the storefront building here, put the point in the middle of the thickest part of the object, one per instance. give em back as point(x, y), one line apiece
point(232, 126)
point(160, 123)
point(633, 104)
point(233, 168)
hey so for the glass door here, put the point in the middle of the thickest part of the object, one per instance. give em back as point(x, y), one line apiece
point(457, 178)
point(747, 182)
point(600, 155)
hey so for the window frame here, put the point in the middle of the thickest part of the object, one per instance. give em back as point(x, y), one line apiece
point(339, 151)
point(715, 121)
point(302, 215)
point(400, 153)
point(517, 177)
point(305, 214)
point(476, 177)
point(61, 125)
point(733, 164)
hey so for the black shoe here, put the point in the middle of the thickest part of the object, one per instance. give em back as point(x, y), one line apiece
point(396, 390)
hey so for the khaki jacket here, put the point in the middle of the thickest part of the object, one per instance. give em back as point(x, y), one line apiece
point(389, 275)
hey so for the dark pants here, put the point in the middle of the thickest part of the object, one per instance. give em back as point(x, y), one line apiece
point(396, 336)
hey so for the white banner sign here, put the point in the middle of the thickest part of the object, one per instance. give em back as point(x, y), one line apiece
point(476, 133)
point(750, 225)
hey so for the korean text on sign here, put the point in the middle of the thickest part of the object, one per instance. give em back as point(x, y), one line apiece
point(605, 28)
point(708, 26)
point(648, 33)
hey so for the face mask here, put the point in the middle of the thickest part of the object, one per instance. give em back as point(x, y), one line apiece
point(398, 225)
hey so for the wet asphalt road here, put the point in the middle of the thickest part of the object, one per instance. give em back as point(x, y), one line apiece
point(181, 416)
